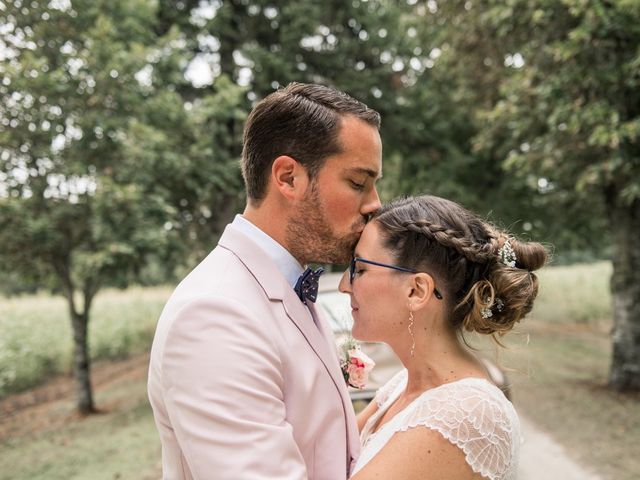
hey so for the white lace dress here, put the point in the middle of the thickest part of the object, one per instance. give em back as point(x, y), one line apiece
point(471, 413)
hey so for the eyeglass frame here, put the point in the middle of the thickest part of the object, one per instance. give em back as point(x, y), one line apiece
point(352, 270)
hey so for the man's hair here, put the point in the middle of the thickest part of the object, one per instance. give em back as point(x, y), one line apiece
point(301, 121)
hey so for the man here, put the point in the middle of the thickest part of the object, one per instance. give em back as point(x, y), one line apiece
point(244, 379)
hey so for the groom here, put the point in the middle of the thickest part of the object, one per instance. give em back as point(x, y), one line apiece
point(244, 379)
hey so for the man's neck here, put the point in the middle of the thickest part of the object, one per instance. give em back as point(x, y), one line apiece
point(272, 221)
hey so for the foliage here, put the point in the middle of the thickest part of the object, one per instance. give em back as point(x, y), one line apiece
point(571, 112)
point(433, 74)
point(101, 162)
point(119, 162)
point(104, 164)
point(566, 110)
point(36, 338)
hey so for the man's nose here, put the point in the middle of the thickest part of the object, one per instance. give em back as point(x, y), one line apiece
point(372, 203)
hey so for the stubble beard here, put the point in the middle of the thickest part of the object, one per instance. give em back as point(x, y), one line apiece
point(310, 237)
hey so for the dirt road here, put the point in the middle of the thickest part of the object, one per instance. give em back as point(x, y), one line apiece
point(542, 458)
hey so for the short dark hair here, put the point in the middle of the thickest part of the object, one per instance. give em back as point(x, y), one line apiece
point(301, 121)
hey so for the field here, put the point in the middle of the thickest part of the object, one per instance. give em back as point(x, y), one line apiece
point(36, 332)
point(557, 360)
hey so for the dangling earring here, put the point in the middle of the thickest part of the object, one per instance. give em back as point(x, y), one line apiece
point(413, 339)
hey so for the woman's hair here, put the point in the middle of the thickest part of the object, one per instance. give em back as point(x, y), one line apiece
point(484, 274)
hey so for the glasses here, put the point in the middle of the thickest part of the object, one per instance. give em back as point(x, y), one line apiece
point(352, 270)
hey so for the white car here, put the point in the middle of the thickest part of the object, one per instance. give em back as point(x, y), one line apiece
point(337, 307)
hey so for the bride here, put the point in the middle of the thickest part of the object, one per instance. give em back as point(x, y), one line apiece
point(424, 271)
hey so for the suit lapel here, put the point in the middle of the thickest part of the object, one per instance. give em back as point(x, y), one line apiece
point(320, 337)
point(353, 436)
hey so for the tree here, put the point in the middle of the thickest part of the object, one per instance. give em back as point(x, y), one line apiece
point(393, 56)
point(104, 164)
point(399, 58)
point(568, 111)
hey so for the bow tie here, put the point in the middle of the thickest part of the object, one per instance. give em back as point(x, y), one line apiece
point(307, 285)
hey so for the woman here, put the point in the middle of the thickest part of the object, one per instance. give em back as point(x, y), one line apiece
point(424, 271)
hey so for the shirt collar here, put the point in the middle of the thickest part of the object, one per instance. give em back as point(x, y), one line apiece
point(286, 263)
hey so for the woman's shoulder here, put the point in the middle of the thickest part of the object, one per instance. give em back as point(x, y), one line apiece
point(470, 403)
point(474, 415)
point(471, 399)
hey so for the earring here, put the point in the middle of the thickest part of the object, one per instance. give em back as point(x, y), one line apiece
point(413, 339)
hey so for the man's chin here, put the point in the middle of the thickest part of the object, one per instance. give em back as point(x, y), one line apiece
point(337, 252)
point(345, 249)
point(340, 255)
point(333, 258)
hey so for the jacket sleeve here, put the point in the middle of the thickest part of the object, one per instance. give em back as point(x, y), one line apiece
point(224, 394)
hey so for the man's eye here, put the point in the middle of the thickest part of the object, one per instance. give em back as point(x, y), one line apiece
point(357, 186)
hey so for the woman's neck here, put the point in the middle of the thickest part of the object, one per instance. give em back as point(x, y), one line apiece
point(439, 358)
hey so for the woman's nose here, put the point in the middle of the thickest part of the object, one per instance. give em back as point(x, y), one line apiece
point(345, 285)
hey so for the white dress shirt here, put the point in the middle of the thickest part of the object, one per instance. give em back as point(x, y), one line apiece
point(286, 263)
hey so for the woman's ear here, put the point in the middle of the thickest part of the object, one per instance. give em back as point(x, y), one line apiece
point(289, 177)
point(421, 290)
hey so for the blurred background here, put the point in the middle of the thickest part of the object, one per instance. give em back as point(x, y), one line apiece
point(120, 135)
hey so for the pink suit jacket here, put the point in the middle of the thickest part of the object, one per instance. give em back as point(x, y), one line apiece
point(242, 383)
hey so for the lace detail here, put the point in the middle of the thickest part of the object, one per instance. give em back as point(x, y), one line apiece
point(471, 413)
point(477, 417)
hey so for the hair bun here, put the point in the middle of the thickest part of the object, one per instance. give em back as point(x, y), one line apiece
point(507, 295)
point(530, 256)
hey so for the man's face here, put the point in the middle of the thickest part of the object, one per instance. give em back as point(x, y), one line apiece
point(328, 221)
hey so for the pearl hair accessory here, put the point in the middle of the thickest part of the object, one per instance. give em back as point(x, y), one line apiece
point(506, 255)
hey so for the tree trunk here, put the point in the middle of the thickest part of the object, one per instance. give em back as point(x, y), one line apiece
point(79, 323)
point(625, 288)
point(82, 364)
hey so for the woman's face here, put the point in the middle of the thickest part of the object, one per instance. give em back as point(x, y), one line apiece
point(378, 294)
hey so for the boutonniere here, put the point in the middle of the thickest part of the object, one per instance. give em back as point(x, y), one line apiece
point(356, 365)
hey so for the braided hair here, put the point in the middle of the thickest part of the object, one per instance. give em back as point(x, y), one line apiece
point(462, 253)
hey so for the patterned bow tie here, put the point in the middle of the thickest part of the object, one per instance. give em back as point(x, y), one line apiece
point(307, 285)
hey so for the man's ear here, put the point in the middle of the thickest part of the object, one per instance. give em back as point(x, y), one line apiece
point(289, 177)
point(421, 290)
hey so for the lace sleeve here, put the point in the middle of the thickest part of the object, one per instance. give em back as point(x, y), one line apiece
point(383, 393)
point(475, 416)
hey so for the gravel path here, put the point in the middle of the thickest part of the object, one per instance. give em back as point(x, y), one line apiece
point(542, 458)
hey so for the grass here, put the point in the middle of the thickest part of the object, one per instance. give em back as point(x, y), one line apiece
point(558, 361)
point(119, 443)
point(575, 295)
point(36, 332)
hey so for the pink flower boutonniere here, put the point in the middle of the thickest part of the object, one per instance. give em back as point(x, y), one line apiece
point(356, 365)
